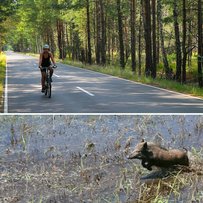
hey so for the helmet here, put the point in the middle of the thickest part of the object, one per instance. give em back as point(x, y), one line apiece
point(46, 46)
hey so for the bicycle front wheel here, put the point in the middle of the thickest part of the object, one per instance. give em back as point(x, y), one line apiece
point(49, 90)
point(46, 91)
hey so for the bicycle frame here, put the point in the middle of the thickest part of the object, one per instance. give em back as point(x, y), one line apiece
point(48, 82)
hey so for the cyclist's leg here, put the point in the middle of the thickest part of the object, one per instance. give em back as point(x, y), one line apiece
point(51, 71)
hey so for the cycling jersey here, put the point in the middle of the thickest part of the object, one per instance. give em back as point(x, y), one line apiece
point(46, 62)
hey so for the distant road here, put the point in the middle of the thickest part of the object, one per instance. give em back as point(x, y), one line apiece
point(77, 90)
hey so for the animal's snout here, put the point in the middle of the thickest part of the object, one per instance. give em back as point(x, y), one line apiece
point(133, 156)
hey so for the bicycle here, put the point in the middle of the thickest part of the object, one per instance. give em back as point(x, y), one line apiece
point(48, 81)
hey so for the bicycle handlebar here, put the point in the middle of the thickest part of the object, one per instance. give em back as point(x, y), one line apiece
point(42, 68)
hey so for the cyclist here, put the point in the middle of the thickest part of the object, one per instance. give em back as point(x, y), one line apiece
point(45, 62)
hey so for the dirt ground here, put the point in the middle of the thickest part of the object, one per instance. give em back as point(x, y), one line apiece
point(84, 159)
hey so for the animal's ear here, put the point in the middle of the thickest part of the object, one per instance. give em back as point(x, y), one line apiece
point(145, 145)
point(142, 140)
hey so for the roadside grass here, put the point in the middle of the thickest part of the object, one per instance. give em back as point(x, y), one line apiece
point(2, 75)
point(190, 89)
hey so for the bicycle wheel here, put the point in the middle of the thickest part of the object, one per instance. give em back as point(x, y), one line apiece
point(49, 90)
point(46, 91)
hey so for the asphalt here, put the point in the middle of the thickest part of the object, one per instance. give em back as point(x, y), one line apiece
point(77, 90)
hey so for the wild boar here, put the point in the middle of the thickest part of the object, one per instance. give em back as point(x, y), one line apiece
point(154, 155)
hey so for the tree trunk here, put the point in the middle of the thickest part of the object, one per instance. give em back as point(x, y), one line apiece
point(133, 37)
point(109, 27)
point(120, 32)
point(98, 31)
point(164, 55)
point(61, 39)
point(68, 45)
point(148, 37)
point(140, 45)
point(184, 61)
point(177, 42)
point(103, 33)
point(52, 42)
point(189, 44)
point(154, 39)
point(200, 44)
point(158, 37)
point(89, 54)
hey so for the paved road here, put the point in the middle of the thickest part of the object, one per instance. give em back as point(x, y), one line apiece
point(81, 91)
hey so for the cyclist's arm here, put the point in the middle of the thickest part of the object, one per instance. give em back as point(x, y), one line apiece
point(40, 60)
point(52, 58)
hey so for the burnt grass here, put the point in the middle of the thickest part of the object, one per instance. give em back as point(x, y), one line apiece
point(60, 166)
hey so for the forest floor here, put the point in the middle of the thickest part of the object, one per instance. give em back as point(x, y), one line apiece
point(2, 77)
point(45, 159)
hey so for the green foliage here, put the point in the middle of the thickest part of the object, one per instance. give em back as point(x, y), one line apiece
point(28, 24)
point(7, 8)
point(2, 72)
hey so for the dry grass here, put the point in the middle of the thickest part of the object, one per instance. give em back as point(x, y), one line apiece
point(2, 75)
point(99, 171)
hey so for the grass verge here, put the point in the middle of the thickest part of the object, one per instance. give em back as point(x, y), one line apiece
point(2, 77)
point(127, 74)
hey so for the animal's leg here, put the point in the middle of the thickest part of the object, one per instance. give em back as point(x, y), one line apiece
point(146, 164)
point(149, 167)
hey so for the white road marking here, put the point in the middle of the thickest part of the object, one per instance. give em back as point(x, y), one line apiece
point(57, 75)
point(6, 91)
point(85, 91)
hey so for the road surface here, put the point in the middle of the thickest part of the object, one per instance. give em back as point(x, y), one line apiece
point(77, 90)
